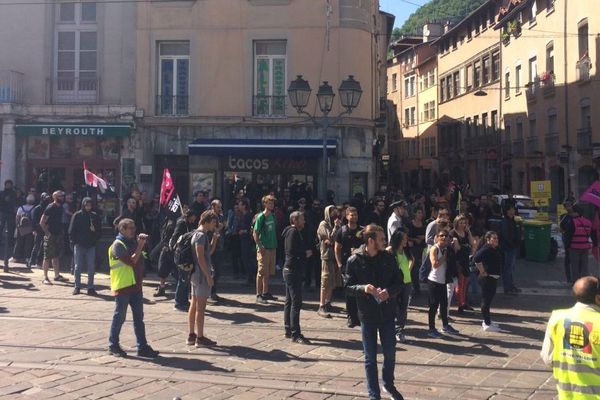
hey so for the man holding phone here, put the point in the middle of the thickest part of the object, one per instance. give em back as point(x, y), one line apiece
point(126, 276)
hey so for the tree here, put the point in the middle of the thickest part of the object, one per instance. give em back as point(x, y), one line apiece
point(438, 10)
point(396, 34)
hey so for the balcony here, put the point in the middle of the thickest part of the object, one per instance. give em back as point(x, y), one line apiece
point(172, 105)
point(506, 150)
point(552, 144)
point(517, 148)
point(584, 66)
point(73, 91)
point(532, 145)
point(11, 87)
point(584, 140)
point(532, 89)
point(269, 106)
point(548, 87)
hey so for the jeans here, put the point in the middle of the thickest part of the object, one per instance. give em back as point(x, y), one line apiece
point(450, 290)
point(473, 286)
point(488, 291)
point(84, 256)
point(437, 298)
point(7, 229)
point(510, 257)
point(579, 263)
point(37, 252)
point(136, 301)
point(388, 345)
point(182, 291)
point(217, 263)
point(402, 306)
point(293, 300)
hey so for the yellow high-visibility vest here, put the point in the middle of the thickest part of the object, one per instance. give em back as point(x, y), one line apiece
point(121, 274)
point(576, 353)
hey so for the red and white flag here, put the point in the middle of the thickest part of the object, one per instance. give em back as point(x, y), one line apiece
point(166, 188)
point(94, 180)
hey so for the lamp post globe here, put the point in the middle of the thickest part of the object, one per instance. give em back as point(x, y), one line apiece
point(325, 97)
point(350, 92)
point(299, 93)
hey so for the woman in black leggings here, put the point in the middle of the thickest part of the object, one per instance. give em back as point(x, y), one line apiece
point(488, 261)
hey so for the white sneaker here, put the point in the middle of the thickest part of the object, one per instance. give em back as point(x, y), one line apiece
point(490, 328)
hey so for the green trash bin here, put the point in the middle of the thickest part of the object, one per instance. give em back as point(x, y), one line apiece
point(537, 240)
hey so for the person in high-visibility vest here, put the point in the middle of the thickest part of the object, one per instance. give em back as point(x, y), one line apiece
point(572, 343)
point(126, 276)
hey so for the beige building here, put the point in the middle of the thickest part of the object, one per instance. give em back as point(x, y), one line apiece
point(67, 93)
point(213, 78)
point(549, 57)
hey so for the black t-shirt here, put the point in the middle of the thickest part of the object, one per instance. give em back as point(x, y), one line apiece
point(491, 258)
point(347, 238)
point(54, 212)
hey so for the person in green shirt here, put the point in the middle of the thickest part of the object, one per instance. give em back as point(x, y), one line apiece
point(405, 261)
point(265, 237)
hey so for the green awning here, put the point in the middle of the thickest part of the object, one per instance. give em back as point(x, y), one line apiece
point(73, 129)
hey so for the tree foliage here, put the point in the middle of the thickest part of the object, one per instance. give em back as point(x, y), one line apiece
point(438, 10)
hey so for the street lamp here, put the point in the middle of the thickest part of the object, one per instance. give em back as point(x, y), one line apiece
point(299, 94)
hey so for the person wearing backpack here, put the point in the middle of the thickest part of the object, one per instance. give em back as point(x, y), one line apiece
point(165, 256)
point(185, 224)
point(8, 206)
point(265, 237)
point(36, 256)
point(85, 230)
point(24, 231)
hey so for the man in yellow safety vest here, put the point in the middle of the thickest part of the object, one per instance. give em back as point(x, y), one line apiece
point(126, 275)
point(572, 343)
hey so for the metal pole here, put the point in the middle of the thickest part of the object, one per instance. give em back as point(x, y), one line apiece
point(324, 161)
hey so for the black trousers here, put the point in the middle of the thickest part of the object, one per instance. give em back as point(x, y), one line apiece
point(438, 297)
point(488, 291)
point(293, 300)
point(568, 264)
point(7, 230)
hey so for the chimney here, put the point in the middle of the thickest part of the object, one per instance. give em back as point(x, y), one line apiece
point(431, 31)
point(447, 26)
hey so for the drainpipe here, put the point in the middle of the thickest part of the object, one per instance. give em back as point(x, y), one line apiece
point(566, 66)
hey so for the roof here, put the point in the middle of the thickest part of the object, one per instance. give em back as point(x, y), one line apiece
point(465, 19)
point(511, 8)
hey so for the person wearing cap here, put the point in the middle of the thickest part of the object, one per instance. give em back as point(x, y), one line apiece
point(566, 229)
point(396, 220)
point(581, 243)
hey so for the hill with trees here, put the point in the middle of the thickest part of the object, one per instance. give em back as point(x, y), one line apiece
point(436, 10)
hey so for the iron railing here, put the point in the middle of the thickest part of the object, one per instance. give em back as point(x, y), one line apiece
point(172, 105)
point(269, 106)
point(73, 91)
point(11, 87)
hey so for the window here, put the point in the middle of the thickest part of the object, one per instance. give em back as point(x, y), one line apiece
point(456, 83)
point(519, 129)
point(550, 57)
point(174, 78)
point(270, 66)
point(586, 117)
point(409, 86)
point(469, 74)
point(552, 122)
point(76, 66)
point(484, 123)
point(449, 89)
point(495, 65)
point(429, 111)
point(486, 69)
point(583, 35)
point(533, 12)
point(410, 116)
point(518, 79)
point(394, 82)
point(532, 126)
point(468, 128)
point(469, 31)
point(549, 5)
point(477, 26)
point(413, 115)
point(428, 147)
point(454, 43)
point(494, 121)
point(507, 84)
point(533, 69)
point(477, 74)
point(476, 125)
point(443, 89)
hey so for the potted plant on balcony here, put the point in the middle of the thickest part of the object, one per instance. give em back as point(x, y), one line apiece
point(514, 28)
point(505, 37)
point(547, 78)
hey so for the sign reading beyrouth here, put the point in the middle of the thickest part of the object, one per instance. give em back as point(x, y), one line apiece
point(88, 130)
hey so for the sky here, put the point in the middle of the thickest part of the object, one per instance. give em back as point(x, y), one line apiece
point(400, 8)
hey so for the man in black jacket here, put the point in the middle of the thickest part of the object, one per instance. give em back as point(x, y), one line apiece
point(37, 253)
point(296, 254)
point(510, 242)
point(184, 224)
point(375, 281)
point(8, 210)
point(85, 230)
point(567, 229)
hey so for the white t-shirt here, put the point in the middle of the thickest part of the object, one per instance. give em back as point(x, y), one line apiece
point(438, 274)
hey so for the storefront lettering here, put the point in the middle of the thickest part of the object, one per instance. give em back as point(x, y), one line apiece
point(59, 131)
point(248, 163)
point(287, 164)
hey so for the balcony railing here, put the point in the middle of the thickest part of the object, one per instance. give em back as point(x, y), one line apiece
point(517, 149)
point(172, 105)
point(584, 66)
point(552, 143)
point(532, 89)
point(269, 106)
point(73, 91)
point(584, 140)
point(11, 87)
point(548, 87)
point(532, 145)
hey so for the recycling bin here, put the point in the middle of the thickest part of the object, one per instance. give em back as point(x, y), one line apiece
point(537, 240)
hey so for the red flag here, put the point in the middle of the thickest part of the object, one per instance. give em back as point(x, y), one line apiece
point(166, 188)
point(93, 180)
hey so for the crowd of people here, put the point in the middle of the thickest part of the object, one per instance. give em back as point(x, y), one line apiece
point(376, 255)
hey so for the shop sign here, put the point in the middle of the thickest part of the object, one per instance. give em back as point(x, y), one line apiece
point(267, 164)
point(74, 130)
point(541, 189)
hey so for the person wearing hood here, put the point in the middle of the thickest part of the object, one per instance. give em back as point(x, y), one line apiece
point(331, 276)
point(85, 231)
point(375, 281)
point(296, 254)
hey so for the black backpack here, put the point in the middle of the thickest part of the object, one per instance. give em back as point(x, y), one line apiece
point(183, 255)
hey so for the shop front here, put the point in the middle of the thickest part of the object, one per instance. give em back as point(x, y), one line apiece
point(53, 155)
point(288, 168)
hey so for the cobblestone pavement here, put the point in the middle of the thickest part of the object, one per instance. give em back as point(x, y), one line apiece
point(53, 345)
